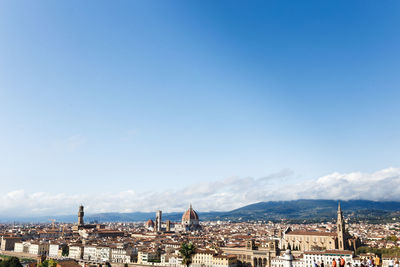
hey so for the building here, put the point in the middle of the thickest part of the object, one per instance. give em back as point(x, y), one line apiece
point(203, 258)
point(209, 258)
point(172, 260)
point(150, 225)
point(49, 234)
point(345, 240)
point(8, 242)
point(287, 260)
point(75, 251)
point(22, 247)
point(308, 240)
point(67, 263)
point(123, 254)
point(190, 220)
point(327, 256)
point(81, 224)
point(103, 253)
point(340, 228)
point(89, 253)
point(318, 241)
point(168, 226)
point(40, 249)
point(224, 261)
point(158, 220)
point(80, 216)
point(252, 255)
point(108, 233)
point(54, 250)
point(147, 255)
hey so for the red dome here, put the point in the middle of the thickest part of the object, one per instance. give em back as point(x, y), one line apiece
point(150, 223)
point(190, 215)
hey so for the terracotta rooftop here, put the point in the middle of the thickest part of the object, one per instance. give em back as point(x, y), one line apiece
point(315, 233)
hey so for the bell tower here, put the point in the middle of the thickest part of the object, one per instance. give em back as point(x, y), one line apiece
point(340, 228)
point(80, 215)
point(158, 221)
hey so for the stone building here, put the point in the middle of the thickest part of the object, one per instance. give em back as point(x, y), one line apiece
point(308, 240)
point(38, 248)
point(158, 221)
point(149, 225)
point(8, 242)
point(209, 258)
point(326, 256)
point(317, 241)
point(80, 216)
point(190, 221)
point(287, 260)
point(76, 251)
point(252, 255)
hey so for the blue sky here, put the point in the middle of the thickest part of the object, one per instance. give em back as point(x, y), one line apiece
point(153, 97)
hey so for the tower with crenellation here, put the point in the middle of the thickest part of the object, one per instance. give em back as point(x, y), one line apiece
point(80, 216)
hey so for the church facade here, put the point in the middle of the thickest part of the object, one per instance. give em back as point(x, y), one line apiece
point(313, 240)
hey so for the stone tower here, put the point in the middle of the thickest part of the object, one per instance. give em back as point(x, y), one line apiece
point(158, 221)
point(340, 228)
point(80, 215)
point(168, 228)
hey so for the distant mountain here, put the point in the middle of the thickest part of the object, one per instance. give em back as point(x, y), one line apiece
point(315, 210)
point(302, 210)
point(132, 217)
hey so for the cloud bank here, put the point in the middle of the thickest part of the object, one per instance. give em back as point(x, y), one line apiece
point(225, 194)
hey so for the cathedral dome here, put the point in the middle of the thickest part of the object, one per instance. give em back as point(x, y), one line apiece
point(190, 215)
point(150, 223)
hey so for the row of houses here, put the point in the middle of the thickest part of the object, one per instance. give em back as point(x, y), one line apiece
point(34, 248)
point(307, 258)
point(202, 258)
point(120, 253)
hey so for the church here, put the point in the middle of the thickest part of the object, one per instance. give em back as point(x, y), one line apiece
point(190, 219)
point(313, 240)
point(190, 222)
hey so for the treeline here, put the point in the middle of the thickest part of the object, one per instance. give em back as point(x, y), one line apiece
point(10, 262)
point(391, 252)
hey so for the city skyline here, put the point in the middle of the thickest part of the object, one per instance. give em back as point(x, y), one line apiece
point(145, 105)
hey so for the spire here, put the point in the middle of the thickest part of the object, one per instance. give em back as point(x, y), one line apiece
point(340, 229)
point(190, 207)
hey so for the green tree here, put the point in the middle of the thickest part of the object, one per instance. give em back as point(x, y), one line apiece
point(65, 251)
point(11, 262)
point(48, 263)
point(187, 251)
point(391, 238)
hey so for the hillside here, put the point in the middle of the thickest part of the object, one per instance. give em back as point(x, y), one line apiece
point(302, 210)
point(315, 210)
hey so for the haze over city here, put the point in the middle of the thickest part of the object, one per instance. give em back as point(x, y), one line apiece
point(143, 105)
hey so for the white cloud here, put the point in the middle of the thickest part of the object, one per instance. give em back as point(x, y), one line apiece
point(226, 194)
point(380, 185)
